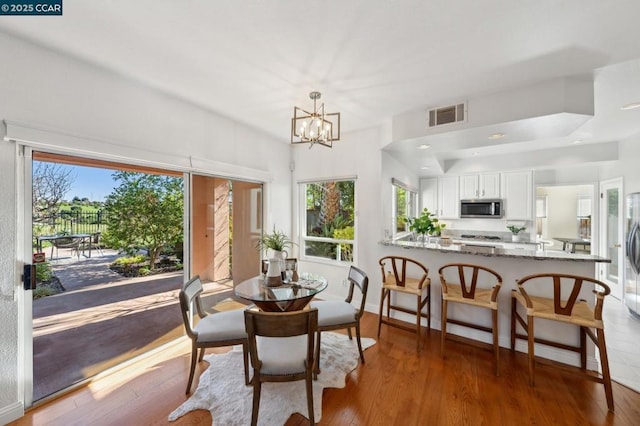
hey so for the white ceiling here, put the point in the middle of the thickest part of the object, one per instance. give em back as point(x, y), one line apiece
point(373, 60)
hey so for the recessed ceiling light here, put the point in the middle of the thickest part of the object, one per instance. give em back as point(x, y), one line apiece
point(425, 168)
point(575, 142)
point(424, 146)
point(496, 135)
point(632, 105)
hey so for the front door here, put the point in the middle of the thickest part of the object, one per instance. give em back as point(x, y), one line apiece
point(611, 235)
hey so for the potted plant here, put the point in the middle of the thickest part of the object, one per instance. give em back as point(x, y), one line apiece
point(276, 241)
point(425, 224)
point(515, 230)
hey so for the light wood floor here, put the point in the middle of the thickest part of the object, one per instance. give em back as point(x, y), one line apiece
point(396, 386)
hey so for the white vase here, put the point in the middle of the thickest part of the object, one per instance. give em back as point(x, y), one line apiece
point(515, 237)
point(281, 255)
point(274, 277)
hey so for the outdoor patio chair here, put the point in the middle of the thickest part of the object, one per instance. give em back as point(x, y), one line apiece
point(93, 244)
point(64, 243)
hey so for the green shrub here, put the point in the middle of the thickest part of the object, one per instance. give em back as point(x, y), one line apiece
point(43, 291)
point(346, 250)
point(43, 272)
point(144, 271)
point(129, 260)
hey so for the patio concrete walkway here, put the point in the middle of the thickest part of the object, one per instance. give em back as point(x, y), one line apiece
point(103, 319)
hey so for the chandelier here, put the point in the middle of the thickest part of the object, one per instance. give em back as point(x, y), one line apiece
point(315, 127)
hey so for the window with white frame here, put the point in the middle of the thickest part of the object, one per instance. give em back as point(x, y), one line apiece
point(328, 219)
point(405, 204)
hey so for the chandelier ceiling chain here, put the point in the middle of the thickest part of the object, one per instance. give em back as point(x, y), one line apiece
point(315, 127)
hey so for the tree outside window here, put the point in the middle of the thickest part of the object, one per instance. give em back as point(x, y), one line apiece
point(329, 220)
point(404, 205)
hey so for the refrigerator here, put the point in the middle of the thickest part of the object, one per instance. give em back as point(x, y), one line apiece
point(632, 260)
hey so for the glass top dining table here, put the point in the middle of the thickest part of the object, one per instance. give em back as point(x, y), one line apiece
point(292, 296)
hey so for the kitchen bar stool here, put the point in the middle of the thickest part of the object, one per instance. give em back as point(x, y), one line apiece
point(565, 309)
point(396, 277)
point(471, 285)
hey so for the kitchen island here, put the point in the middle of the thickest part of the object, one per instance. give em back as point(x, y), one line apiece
point(511, 264)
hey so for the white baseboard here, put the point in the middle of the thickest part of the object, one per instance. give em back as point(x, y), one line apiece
point(11, 412)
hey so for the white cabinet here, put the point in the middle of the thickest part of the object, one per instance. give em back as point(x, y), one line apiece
point(468, 187)
point(429, 195)
point(485, 185)
point(517, 192)
point(448, 198)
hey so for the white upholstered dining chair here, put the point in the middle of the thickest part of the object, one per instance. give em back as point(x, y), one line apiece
point(212, 330)
point(336, 315)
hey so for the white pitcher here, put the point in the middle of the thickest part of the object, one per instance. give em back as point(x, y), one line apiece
point(281, 255)
point(274, 277)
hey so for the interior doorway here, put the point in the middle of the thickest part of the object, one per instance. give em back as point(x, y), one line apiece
point(226, 225)
point(611, 235)
point(566, 212)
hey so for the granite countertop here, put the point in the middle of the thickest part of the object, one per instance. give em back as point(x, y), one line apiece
point(497, 252)
point(500, 241)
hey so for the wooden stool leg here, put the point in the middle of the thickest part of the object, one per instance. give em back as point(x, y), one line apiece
point(418, 320)
point(513, 323)
point(496, 346)
point(429, 307)
point(443, 335)
point(532, 361)
point(382, 295)
point(583, 348)
point(604, 363)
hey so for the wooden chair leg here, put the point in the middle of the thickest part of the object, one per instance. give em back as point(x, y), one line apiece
point(443, 334)
point(201, 357)
point(532, 361)
point(310, 400)
point(359, 342)
point(316, 368)
point(496, 346)
point(604, 364)
point(256, 401)
point(192, 369)
point(245, 355)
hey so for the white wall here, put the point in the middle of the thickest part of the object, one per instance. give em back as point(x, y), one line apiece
point(90, 111)
point(356, 154)
point(628, 165)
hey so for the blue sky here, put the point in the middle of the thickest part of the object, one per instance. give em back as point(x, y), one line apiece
point(90, 182)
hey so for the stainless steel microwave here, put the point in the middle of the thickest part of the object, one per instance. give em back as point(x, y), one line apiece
point(481, 208)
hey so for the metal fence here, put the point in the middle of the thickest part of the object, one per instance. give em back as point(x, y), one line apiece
point(70, 222)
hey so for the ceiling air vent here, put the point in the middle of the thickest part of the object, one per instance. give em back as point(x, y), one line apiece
point(447, 114)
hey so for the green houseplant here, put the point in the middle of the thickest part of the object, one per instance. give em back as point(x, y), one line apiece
point(515, 230)
point(425, 224)
point(276, 241)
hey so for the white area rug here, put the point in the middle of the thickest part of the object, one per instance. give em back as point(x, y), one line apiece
point(222, 391)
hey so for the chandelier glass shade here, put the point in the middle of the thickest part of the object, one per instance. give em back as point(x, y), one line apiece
point(315, 127)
